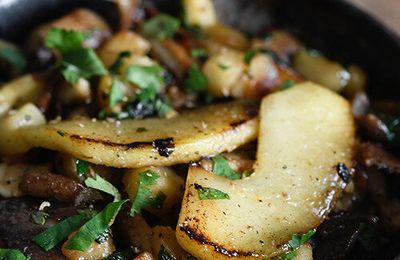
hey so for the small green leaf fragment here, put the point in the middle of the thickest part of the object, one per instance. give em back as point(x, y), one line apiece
point(144, 196)
point(96, 226)
point(206, 193)
point(196, 81)
point(162, 26)
point(221, 167)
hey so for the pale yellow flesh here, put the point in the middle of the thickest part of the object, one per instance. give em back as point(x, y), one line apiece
point(128, 144)
point(304, 133)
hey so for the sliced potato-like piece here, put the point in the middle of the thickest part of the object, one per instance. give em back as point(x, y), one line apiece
point(305, 132)
point(18, 92)
point(152, 142)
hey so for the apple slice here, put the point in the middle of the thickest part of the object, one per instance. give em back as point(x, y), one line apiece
point(305, 143)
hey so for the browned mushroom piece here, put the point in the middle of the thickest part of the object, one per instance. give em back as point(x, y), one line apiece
point(372, 155)
point(373, 127)
point(52, 186)
point(18, 227)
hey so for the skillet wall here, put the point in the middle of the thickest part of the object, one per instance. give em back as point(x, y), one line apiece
point(338, 29)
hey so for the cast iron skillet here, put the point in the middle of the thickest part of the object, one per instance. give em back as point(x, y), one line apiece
point(334, 27)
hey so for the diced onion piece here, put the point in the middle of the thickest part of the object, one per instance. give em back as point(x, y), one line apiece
point(123, 41)
point(223, 71)
point(200, 13)
point(11, 141)
point(228, 36)
point(305, 132)
point(19, 91)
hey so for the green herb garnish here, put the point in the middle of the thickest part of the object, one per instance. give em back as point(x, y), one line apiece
point(116, 66)
point(12, 254)
point(196, 81)
point(64, 40)
point(57, 233)
point(223, 66)
point(162, 107)
point(103, 185)
point(161, 26)
point(198, 53)
point(144, 196)
point(60, 133)
point(148, 78)
point(288, 84)
point(249, 55)
point(76, 61)
point(221, 167)
point(96, 226)
point(206, 193)
point(116, 92)
point(14, 58)
point(82, 167)
point(297, 241)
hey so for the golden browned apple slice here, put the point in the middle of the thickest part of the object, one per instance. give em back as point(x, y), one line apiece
point(151, 142)
point(306, 138)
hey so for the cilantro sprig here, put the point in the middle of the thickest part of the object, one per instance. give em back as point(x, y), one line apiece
point(76, 60)
point(144, 195)
point(297, 241)
point(95, 227)
point(57, 233)
point(222, 168)
point(103, 185)
point(195, 80)
point(13, 254)
point(207, 193)
point(161, 26)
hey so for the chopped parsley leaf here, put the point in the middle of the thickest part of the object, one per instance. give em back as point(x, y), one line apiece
point(223, 66)
point(82, 167)
point(249, 55)
point(162, 107)
point(116, 66)
point(221, 167)
point(76, 61)
point(198, 52)
point(161, 26)
point(81, 62)
point(64, 40)
point(296, 241)
point(148, 78)
point(116, 92)
point(206, 193)
point(12, 254)
point(288, 84)
point(196, 81)
point(60, 133)
point(14, 58)
point(103, 185)
point(57, 233)
point(96, 226)
point(144, 196)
